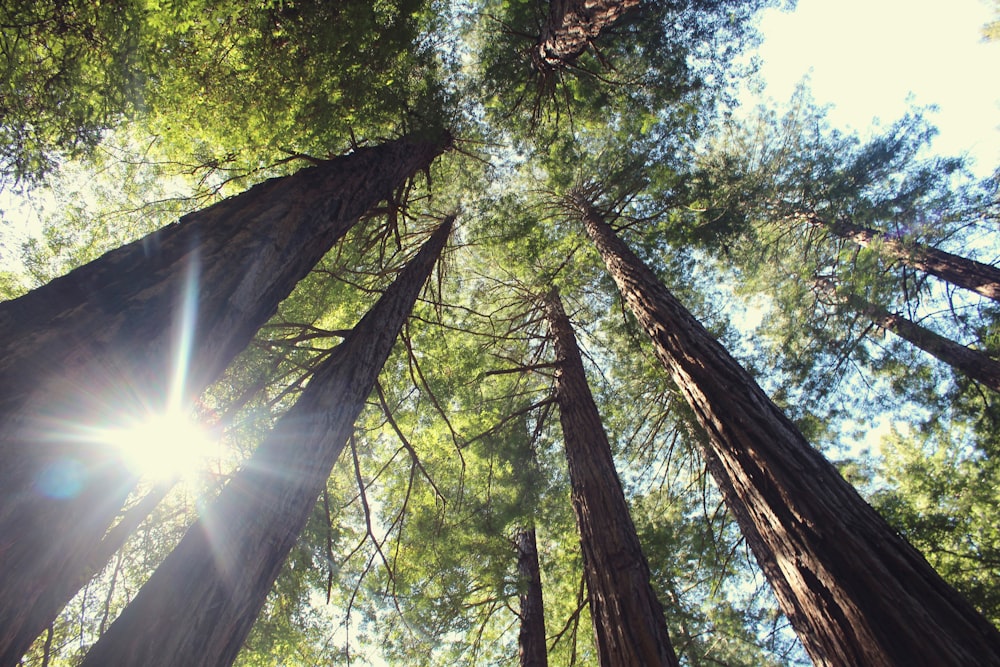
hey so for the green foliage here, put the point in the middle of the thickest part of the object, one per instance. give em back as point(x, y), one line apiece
point(407, 556)
point(657, 59)
point(942, 493)
point(70, 71)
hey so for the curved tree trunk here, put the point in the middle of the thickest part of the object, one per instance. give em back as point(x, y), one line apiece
point(855, 592)
point(100, 345)
point(973, 363)
point(628, 620)
point(571, 27)
point(959, 271)
point(531, 636)
point(201, 602)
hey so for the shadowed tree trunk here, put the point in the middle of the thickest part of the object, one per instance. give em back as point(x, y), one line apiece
point(100, 345)
point(973, 363)
point(855, 592)
point(571, 27)
point(531, 636)
point(628, 619)
point(959, 271)
point(199, 605)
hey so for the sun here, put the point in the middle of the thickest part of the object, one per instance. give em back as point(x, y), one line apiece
point(163, 446)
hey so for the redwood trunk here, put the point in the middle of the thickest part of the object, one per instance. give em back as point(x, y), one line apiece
point(99, 345)
point(854, 591)
point(199, 605)
point(531, 637)
point(973, 363)
point(628, 619)
point(959, 271)
point(571, 27)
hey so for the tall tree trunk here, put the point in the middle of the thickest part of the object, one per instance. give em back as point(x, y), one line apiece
point(854, 591)
point(531, 637)
point(571, 27)
point(628, 619)
point(959, 271)
point(199, 605)
point(101, 344)
point(973, 363)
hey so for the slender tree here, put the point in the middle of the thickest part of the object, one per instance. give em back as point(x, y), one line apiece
point(531, 636)
point(628, 619)
point(571, 28)
point(975, 364)
point(199, 605)
point(855, 592)
point(154, 320)
point(959, 271)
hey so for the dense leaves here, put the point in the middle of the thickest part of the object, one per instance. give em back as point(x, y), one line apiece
point(122, 116)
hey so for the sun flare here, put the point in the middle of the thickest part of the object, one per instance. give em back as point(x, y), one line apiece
point(163, 446)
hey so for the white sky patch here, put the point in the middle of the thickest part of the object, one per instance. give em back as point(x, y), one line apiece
point(872, 58)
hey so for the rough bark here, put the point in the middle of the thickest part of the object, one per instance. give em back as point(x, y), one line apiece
point(855, 592)
point(628, 620)
point(571, 27)
point(973, 363)
point(99, 344)
point(959, 271)
point(199, 605)
point(531, 636)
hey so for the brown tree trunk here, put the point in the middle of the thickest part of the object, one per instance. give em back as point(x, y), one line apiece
point(973, 363)
point(959, 271)
point(571, 27)
point(854, 591)
point(99, 345)
point(199, 605)
point(531, 637)
point(628, 619)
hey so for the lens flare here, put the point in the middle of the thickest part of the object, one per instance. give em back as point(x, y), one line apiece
point(163, 446)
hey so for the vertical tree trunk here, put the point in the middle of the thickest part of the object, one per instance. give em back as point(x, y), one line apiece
point(101, 344)
point(571, 27)
point(531, 637)
point(973, 363)
point(959, 271)
point(855, 592)
point(199, 605)
point(628, 619)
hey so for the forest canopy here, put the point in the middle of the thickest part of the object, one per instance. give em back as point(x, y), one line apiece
point(431, 332)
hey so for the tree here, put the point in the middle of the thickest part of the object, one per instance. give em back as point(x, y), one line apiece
point(960, 271)
point(230, 558)
point(100, 345)
point(73, 71)
point(974, 363)
point(628, 619)
point(571, 29)
point(840, 573)
point(531, 636)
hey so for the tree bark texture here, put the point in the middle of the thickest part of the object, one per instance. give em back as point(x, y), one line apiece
point(855, 592)
point(628, 620)
point(101, 343)
point(571, 27)
point(531, 636)
point(959, 271)
point(975, 364)
point(199, 605)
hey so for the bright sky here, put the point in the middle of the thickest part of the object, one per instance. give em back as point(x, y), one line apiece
point(868, 56)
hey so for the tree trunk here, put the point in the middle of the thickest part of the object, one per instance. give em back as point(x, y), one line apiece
point(854, 591)
point(628, 619)
point(531, 637)
point(199, 605)
point(959, 271)
point(100, 345)
point(571, 27)
point(973, 363)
